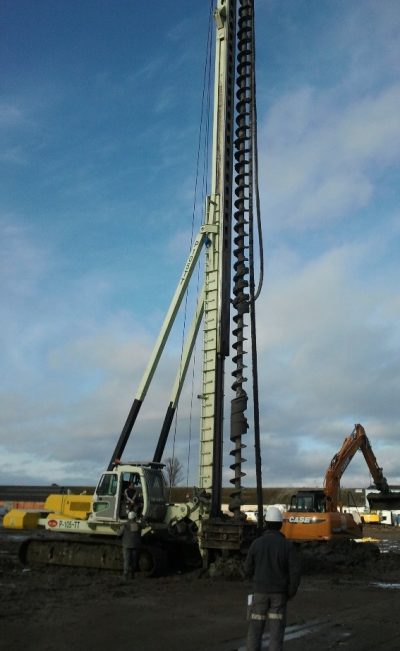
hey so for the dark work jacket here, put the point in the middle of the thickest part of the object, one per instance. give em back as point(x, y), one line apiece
point(273, 564)
point(131, 537)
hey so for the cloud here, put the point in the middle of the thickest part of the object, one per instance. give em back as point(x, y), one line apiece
point(321, 158)
point(327, 339)
point(10, 115)
point(22, 261)
point(71, 368)
point(369, 37)
point(30, 468)
point(328, 361)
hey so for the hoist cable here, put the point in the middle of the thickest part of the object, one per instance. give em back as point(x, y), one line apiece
point(206, 147)
point(204, 101)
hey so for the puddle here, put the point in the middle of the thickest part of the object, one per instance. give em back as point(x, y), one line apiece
point(389, 546)
point(386, 586)
point(385, 545)
point(292, 632)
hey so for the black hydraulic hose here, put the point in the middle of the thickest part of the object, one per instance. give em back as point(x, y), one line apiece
point(256, 168)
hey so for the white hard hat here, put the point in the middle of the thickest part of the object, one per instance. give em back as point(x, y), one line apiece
point(273, 514)
point(132, 515)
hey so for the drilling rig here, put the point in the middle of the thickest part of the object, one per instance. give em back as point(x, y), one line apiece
point(83, 530)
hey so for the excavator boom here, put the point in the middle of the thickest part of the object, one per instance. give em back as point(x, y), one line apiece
point(357, 440)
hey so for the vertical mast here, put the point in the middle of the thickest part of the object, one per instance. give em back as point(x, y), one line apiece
point(218, 257)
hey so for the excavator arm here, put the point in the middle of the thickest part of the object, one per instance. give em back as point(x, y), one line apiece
point(376, 472)
point(357, 440)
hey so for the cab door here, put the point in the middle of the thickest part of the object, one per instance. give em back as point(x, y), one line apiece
point(105, 498)
point(155, 504)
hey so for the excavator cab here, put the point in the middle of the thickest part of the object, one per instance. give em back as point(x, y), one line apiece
point(308, 502)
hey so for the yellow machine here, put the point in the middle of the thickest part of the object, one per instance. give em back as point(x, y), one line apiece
point(371, 518)
point(77, 507)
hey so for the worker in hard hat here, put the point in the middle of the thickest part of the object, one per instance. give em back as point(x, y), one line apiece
point(274, 566)
point(131, 542)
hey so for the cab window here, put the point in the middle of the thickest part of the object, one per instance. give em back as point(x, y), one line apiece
point(131, 478)
point(108, 485)
point(156, 485)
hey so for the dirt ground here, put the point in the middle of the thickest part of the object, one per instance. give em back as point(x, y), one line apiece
point(341, 603)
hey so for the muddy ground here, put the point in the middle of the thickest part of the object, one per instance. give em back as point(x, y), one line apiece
point(343, 602)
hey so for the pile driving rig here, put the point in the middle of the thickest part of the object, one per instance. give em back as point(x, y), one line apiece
point(83, 530)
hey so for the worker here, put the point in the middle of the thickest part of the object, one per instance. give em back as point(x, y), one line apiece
point(274, 566)
point(131, 542)
point(130, 495)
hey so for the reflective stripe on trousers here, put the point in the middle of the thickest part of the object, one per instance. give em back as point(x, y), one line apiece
point(267, 606)
point(264, 617)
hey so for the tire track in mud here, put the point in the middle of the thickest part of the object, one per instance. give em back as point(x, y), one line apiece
point(368, 623)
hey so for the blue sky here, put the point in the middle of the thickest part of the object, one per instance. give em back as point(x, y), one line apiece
point(99, 120)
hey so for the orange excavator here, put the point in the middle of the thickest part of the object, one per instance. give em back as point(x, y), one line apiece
point(315, 515)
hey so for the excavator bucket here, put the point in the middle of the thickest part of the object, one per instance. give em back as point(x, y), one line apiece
point(389, 501)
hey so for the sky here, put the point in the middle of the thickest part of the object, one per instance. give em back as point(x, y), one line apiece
point(100, 114)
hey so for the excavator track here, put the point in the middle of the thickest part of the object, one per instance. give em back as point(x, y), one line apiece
point(95, 554)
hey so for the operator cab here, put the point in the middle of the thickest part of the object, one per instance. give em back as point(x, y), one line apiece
point(147, 483)
point(131, 488)
point(308, 502)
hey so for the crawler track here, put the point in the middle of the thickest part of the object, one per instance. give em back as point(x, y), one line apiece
point(92, 553)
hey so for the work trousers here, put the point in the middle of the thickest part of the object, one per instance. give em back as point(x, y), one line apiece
point(271, 607)
point(130, 560)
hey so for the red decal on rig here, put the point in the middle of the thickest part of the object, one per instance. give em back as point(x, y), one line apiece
point(52, 523)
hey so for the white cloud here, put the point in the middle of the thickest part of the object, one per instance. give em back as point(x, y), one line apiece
point(10, 115)
point(320, 159)
point(327, 361)
point(369, 36)
point(72, 369)
point(22, 261)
